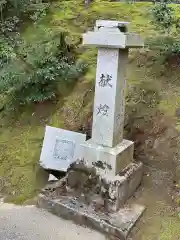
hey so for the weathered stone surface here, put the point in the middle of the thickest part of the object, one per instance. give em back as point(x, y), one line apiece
point(80, 166)
point(59, 148)
point(117, 224)
point(76, 179)
point(83, 178)
point(106, 160)
point(98, 203)
point(100, 209)
point(108, 191)
point(122, 186)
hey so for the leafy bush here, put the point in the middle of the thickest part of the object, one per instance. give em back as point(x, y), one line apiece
point(22, 8)
point(35, 73)
point(165, 20)
point(164, 16)
point(32, 71)
point(166, 45)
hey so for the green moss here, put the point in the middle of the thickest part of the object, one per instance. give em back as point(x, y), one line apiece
point(162, 228)
point(21, 137)
point(21, 140)
point(171, 229)
point(19, 153)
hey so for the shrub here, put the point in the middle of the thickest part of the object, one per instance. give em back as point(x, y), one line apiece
point(35, 72)
point(166, 45)
point(164, 17)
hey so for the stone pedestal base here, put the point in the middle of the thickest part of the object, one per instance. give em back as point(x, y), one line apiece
point(95, 201)
point(106, 160)
point(121, 187)
point(114, 225)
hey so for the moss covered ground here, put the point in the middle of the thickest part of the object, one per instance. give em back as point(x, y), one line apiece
point(21, 135)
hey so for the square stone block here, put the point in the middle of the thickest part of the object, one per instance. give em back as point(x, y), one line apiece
point(59, 148)
point(106, 159)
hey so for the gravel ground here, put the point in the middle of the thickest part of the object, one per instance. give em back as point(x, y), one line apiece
point(31, 223)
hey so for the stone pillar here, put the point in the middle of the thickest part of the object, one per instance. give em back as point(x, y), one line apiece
point(109, 102)
point(107, 150)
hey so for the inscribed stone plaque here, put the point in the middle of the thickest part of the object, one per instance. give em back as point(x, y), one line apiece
point(59, 148)
point(64, 149)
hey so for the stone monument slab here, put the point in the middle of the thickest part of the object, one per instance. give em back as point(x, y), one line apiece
point(59, 147)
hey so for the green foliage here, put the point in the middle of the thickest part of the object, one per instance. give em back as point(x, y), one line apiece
point(5, 53)
point(165, 19)
point(20, 8)
point(32, 71)
point(35, 73)
point(167, 46)
point(38, 11)
point(164, 16)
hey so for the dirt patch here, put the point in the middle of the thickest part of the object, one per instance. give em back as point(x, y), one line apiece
point(157, 146)
point(160, 220)
point(77, 109)
point(157, 142)
point(173, 61)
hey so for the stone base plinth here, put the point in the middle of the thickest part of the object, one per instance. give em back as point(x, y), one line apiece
point(106, 160)
point(95, 201)
point(122, 186)
point(117, 224)
point(88, 186)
